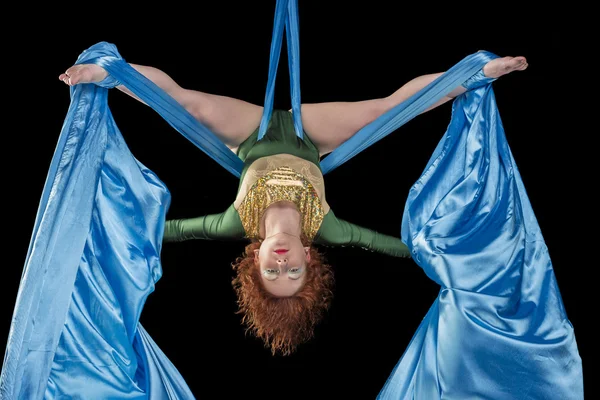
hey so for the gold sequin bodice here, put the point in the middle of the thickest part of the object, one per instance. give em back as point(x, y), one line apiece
point(281, 184)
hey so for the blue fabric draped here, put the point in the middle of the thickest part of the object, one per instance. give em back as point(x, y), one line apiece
point(286, 15)
point(498, 329)
point(107, 56)
point(94, 258)
point(402, 113)
point(94, 255)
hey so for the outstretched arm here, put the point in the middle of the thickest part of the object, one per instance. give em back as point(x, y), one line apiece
point(337, 232)
point(232, 120)
point(223, 226)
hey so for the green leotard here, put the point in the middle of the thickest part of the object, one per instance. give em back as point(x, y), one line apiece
point(281, 138)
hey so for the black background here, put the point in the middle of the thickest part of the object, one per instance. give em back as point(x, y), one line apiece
point(348, 53)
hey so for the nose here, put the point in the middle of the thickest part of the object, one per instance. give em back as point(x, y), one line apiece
point(282, 260)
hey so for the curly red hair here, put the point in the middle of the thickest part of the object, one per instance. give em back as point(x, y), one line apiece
point(282, 322)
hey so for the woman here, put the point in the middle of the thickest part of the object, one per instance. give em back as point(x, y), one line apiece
point(282, 283)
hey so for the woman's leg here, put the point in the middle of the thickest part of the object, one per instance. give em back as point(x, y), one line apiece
point(230, 119)
point(331, 124)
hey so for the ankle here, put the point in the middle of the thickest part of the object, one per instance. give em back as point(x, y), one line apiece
point(478, 80)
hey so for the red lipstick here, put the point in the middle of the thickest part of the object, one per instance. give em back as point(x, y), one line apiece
point(281, 251)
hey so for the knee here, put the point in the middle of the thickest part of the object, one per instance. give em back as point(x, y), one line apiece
point(201, 111)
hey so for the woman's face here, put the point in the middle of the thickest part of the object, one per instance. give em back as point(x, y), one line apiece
point(282, 260)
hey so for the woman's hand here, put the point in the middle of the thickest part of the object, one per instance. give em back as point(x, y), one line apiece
point(83, 73)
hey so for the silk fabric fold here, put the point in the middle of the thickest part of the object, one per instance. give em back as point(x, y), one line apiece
point(93, 260)
point(498, 329)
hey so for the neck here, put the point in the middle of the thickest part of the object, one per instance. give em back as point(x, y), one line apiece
point(281, 219)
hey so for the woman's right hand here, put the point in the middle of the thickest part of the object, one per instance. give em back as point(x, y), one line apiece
point(83, 73)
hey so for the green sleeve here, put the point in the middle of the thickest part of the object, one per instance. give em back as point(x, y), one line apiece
point(337, 232)
point(223, 226)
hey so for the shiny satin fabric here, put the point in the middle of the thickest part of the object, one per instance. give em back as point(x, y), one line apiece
point(286, 17)
point(498, 329)
point(107, 56)
point(93, 260)
point(462, 73)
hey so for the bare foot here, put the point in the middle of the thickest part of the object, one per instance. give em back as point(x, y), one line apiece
point(83, 73)
point(504, 65)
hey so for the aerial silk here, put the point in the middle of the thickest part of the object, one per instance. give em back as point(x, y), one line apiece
point(94, 254)
point(498, 329)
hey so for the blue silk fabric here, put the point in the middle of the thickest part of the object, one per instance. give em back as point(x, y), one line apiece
point(498, 329)
point(94, 258)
